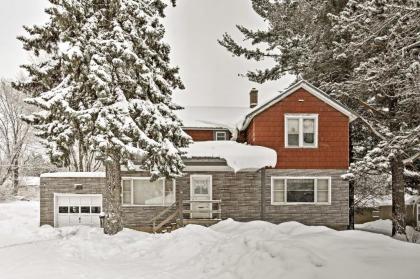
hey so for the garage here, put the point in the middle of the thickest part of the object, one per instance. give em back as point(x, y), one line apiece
point(77, 209)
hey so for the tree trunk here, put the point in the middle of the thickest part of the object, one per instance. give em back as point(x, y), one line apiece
point(398, 202)
point(112, 197)
point(351, 206)
point(15, 176)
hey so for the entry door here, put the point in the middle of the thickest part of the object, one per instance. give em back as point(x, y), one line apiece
point(201, 190)
point(72, 210)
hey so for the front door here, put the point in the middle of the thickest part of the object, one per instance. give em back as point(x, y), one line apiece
point(201, 190)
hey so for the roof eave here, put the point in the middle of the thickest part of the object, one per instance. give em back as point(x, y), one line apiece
point(308, 87)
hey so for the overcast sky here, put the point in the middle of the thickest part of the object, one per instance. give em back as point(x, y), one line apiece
point(209, 72)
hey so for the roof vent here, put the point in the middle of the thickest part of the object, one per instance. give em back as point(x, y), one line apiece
point(253, 98)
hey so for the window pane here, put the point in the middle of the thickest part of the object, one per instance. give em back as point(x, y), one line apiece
point(322, 184)
point(74, 209)
point(169, 192)
point(293, 126)
point(300, 190)
point(147, 193)
point(278, 196)
point(85, 209)
point(220, 136)
point(278, 184)
point(308, 131)
point(95, 209)
point(201, 185)
point(126, 191)
point(309, 125)
point(322, 196)
point(63, 209)
point(293, 132)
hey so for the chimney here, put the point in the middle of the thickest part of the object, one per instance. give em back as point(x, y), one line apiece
point(253, 98)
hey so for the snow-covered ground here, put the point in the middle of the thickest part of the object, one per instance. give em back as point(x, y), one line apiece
point(227, 250)
point(385, 227)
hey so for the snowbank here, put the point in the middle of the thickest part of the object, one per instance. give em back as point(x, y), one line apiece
point(74, 174)
point(237, 155)
point(385, 227)
point(227, 250)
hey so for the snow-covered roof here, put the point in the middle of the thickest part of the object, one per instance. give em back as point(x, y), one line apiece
point(238, 156)
point(243, 124)
point(211, 117)
point(74, 174)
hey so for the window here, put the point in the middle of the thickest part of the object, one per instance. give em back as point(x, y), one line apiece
point(221, 135)
point(141, 191)
point(293, 190)
point(301, 130)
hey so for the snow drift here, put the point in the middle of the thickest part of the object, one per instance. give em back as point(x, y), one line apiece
point(227, 250)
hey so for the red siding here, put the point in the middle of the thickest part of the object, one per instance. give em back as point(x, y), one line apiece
point(200, 135)
point(267, 129)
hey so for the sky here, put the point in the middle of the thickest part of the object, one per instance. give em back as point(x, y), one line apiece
point(209, 72)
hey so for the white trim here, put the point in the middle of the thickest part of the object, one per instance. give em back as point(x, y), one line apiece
point(132, 178)
point(301, 117)
point(56, 195)
point(192, 176)
point(309, 88)
point(301, 177)
point(220, 132)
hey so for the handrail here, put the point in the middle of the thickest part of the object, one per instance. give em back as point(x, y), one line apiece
point(164, 222)
point(201, 201)
point(163, 212)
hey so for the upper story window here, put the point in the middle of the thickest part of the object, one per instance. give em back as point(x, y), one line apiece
point(301, 130)
point(220, 135)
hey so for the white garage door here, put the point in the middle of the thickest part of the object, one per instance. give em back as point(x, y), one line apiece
point(72, 210)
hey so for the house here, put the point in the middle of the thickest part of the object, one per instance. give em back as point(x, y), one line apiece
point(278, 161)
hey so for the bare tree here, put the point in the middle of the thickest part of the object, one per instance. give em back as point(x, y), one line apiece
point(14, 133)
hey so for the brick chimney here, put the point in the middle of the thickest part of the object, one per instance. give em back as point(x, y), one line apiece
point(253, 98)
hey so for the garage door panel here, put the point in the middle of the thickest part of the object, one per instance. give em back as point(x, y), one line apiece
point(73, 210)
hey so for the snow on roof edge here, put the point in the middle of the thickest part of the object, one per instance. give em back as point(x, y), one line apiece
point(238, 156)
point(73, 174)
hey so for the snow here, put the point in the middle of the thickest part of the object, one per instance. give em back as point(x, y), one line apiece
point(227, 250)
point(385, 227)
point(211, 117)
point(74, 174)
point(238, 156)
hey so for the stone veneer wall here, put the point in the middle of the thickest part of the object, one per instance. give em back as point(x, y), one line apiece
point(335, 215)
point(64, 185)
point(240, 194)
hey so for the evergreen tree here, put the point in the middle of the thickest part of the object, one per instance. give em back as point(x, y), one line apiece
point(362, 52)
point(107, 83)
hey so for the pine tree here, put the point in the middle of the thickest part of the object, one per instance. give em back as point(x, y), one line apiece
point(362, 52)
point(107, 83)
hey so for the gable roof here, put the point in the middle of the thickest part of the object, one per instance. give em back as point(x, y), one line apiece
point(290, 90)
point(211, 117)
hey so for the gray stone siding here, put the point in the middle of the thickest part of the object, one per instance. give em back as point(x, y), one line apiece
point(240, 194)
point(64, 185)
point(335, 215)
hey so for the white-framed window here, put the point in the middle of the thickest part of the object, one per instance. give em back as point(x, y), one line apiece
point(221, 135)
point(301, 130)
point(300, 190)
point(140, 191)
